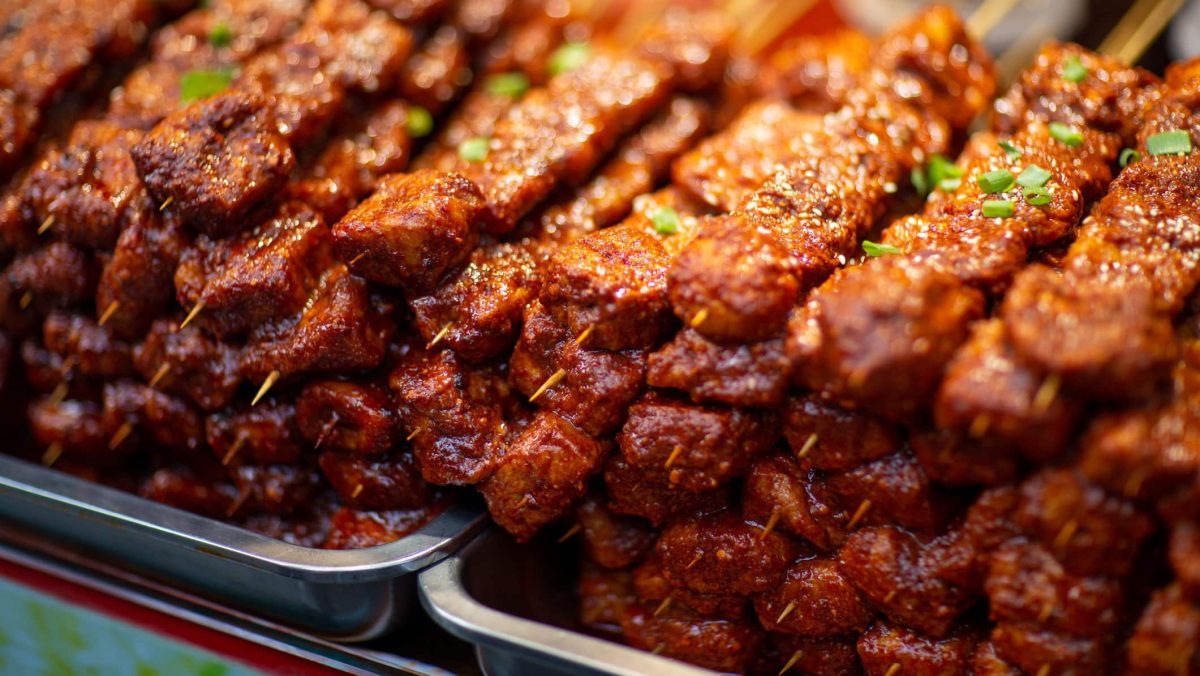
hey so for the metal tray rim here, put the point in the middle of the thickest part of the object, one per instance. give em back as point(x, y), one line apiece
point(425, 546)
point(446, 599)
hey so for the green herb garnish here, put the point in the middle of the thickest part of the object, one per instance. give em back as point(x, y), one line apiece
point(876, 249)
point(220, 35)
point(1013, 152)
point(1033, 176)
point(1129, 155)
point(512, 84)
point(473, 149)
point(569, 57)
point(995, 181)
point(1175, 142)
point(998, 208)
point(1073, 69)
point(920, 181)
point(1037, 196)
point(1066, 134)
point(419, 122)
point(201, 83)
point(666, 221)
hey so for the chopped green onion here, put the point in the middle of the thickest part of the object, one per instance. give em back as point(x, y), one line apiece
point(666, 221)
point(939, 168)
point(419, 122)
point(1175, 142)
point(1066, 134)
point(201, 84)
point(508, 84)
point(995, 181)
point(998, 208)
point(875, 249)
point(473, 149)
point(950, 184)
point(1012, 151)
point(920, 181)
point(569, 57)
point(1129, 155)
point(220, 35)
point(1033, 176)
point(1074, 70)
point(1037, 196)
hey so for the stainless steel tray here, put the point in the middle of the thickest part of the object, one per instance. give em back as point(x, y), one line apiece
point(517, 604)
point(351, 595)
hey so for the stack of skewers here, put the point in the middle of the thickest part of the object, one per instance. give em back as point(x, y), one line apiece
point(812, 395)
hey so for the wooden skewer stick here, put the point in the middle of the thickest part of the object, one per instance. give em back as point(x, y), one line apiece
point(675, 453)
point(637, 19)
point(109, 312)
point(1124, 29)
point(583, 336)
point(356, 492)
point(525, 500)
point(191, 315)
point(791, 662)
point(699, 555)
point(699, 318)
point(356, 259)
point(662, 607)
point(1064, 536)
point(774, 519)
point(1044, 670)
point(68, 365)
point(767, 25)
point(808, 446)
point(553, 380)
point(25, 300)
point(787, 610)
point(893, 670)
point(159, 375)
point(570, 533)
point(890, 595)
point(166, 203)
point(1134, 485)
point(658, 649)
point(1147, 31)
point(413, 434)
point(272, 378)
point(238, 502)
point(325, 431)
point(236, 446)
point(46, 224)
point(438, 338)
point(1046, 394)
point(1046, 612)
point(120, 435)
point(53, 451)
point(58, 393)
point(858, 514)
point(989, 14)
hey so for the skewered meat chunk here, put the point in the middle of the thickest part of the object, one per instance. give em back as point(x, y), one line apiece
point(45, 371)
point(89, 189)
point(824, 601)
point(79, 427)
point(1026, 584)
point(362, 50)
point(275, 489)
point(375, 484)
point(611, 540)
point(189, 490)
point(262, 274)
point(457, 412)
point(777, 486)
point(611, 283)
point(138, 281)
point(412, 12)
point(827, 437)
point(1091, 531)
point(1114, 98)
point(722, 645)
point(352, 529)
point(694, 447)
point(837, 656)
point(342, 329)
point(884, 336)
point(90, 347)
point(205, 371)
point(631, 492)
point(543, 472)
point(891, 490)
point(156, 418)
point(1165, 638)
point(596, 386)
point(479, 309)
point(603, 596)
point(1183, 554)
point(885, 645)
point(413, 230)
point(264, 434)
point(988, 392)
point(695, 44)
point(651, 585)
point(754, 375)
point(217, 158)
point(957, 460)
point(816, 72)
point(985, 662)
point(299, 99)
point(57, 275)
point(1030, 648)
point(437, 70)
point(346, 416)
point(723, 554)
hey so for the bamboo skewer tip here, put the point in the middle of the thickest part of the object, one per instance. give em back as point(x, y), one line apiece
point(196, 309)
point(270, 381)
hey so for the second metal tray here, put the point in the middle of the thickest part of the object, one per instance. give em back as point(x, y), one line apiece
point(349, 595)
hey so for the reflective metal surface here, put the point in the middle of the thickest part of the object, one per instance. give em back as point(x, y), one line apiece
point(345, 595)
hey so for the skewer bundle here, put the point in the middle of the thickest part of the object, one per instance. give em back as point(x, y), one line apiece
point(811, 395)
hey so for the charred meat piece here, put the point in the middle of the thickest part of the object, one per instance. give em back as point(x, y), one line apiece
point(723, 645)
point(891, 490)
point(1165, 638)
point(777, 488)
point(217, 159)
point(543, 472)
point(274, 489)
point(151, 418)
point(413, 230)
point(1030, 648)
point(438, 69)
point(816, 72)
point(188, 363)
point(631, 492)
point(694, 447)
point(821, 599)
point(828, 437)
point(611, 540)
point(376, 484)
point(958, 460)
point(837, 656)
point(89, 347)
point(650, 585)
point(885, 645)
point(78, 427)
point(723, 554)
point(352, 529)
point(138, 281)
point(189, 490)
point(357, 418)
point(261, 275)
point(754, 375)
point(603, 596)
point(264, 434)
point(57, 275)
